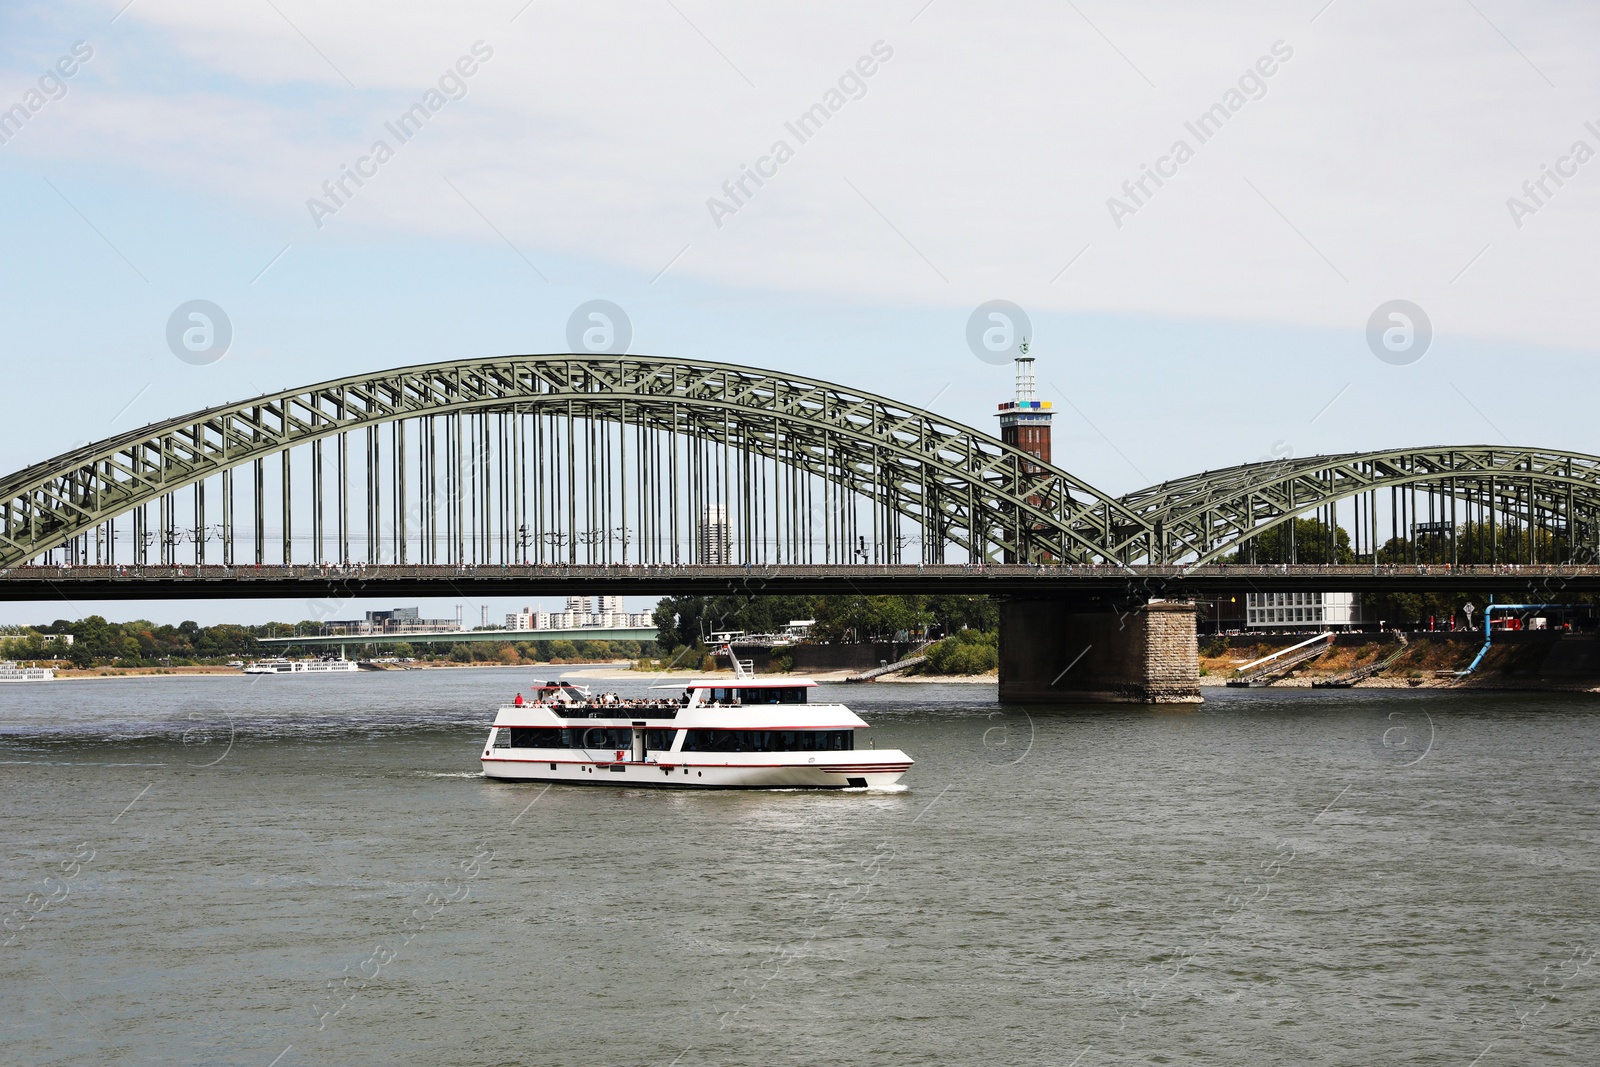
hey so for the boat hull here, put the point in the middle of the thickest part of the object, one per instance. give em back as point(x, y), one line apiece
point(843, 770)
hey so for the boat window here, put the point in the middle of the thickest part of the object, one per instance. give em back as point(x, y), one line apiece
point(601, 737)
point(536, 737)
point(593, 737)
point(776, 694)
point(769, 741)
point(773, 695)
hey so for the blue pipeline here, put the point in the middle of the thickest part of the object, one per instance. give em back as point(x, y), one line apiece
point(1489, 630)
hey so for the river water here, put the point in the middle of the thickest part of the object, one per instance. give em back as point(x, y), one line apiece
point(309, 870)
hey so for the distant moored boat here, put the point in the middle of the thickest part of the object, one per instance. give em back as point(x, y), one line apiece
point(10, 672)
point(301, 666)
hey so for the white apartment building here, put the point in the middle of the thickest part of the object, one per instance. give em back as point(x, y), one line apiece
point(716, 536)
point(613, 614)
point(528, 619)
point(1288, 610)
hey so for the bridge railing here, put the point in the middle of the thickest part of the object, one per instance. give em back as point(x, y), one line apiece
point(1320, 573)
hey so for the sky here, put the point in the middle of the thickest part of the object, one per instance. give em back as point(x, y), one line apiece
point(1312, 162)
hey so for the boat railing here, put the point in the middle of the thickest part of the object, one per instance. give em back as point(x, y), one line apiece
point(589, 710)
point(668, 709)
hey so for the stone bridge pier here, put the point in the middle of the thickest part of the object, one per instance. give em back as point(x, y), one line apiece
point(1055, 651)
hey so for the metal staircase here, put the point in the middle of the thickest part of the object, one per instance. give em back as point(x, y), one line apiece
point(1263, 671)
point(912, 660)
point(1350, 678)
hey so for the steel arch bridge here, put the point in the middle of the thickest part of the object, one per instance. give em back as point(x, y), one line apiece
point(1522, 502)
point(634, 459)
point(584, 459)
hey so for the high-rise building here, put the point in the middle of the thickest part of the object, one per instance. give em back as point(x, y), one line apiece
point(716, 537)
point(610, 612)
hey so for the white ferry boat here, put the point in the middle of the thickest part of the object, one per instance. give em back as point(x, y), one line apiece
point(744, 733)
point(10, 672)
point(301, 666)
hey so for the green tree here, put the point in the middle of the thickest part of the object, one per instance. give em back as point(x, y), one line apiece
point(689, 620)
point(686, 621)
point(968, 652)
point(1307, 542)
point(954, 613)
point(871, 618)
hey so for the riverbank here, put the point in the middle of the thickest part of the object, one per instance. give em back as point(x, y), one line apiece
point(205, 671)
point(1526, 661)
point(1530, 661)
point(608, 671)
point(145, 672)
point(989, 678)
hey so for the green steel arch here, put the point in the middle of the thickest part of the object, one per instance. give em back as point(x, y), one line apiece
point(1204, 517)
point(959, 486)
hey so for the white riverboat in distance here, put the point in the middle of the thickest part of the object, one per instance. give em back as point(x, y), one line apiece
point(743, 733)
point(301, 666)
point(10, 672)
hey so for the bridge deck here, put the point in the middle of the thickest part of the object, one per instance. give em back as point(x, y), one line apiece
point(155, 582)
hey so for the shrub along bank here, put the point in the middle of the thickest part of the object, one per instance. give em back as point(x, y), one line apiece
point(968, 652)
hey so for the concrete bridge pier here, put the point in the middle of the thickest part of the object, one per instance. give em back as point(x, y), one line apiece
point(1059, 652)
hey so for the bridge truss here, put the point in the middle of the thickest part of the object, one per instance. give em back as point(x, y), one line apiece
point(1472, 504)
point(640, 460)
point(558, 458)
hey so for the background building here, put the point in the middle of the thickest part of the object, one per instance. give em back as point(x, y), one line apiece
point(716, 538)
point(1025, 424)
point(612, 613)
point(1025, 420)
point(393, 621)
point(1266, 611)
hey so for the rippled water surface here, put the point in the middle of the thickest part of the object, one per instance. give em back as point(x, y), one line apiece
point(296, 870)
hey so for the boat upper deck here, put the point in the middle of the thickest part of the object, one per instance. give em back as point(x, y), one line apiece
point(740, 703)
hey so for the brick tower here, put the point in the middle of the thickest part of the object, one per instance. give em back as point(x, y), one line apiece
point(1024, 421)
point(1025, 424)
